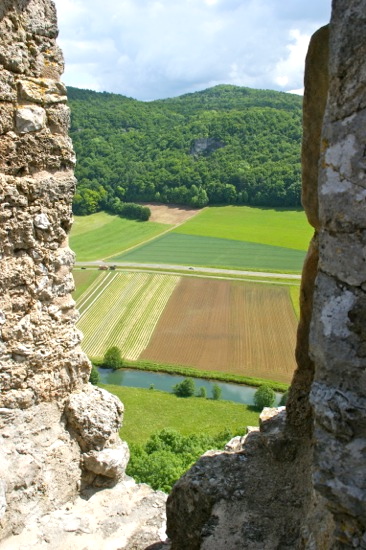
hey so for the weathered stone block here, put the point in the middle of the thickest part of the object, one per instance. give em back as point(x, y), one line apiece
point(343, 255)
point(44, 91)
point(30, 119)
point(58, 119)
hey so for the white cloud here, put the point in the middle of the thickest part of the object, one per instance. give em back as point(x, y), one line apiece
point(159, 48)
point(291, 68)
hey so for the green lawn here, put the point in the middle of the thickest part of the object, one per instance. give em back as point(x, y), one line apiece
point(101, 235)
point(175, 248)
point(277, 227)
point(147, 411)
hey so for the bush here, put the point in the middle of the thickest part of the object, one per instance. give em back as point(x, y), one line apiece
point(264, 397)
point(216, 392)
point(94, 377)
point(130, 210)
point(186, 388)
point(167, 454)
point(112, 358)
point(202, 392)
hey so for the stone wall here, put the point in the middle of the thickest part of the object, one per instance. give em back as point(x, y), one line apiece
point(41, 359)
point(338, 327)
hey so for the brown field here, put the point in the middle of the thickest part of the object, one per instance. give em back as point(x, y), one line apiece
point(228, 326)
point(170, 213)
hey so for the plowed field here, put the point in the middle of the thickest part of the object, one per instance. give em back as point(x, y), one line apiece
point(230, 326)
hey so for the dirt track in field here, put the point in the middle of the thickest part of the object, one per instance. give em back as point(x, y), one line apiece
point(170, 213)
point(239, 328)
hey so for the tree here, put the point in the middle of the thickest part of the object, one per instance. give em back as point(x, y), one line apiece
point(264, 397)
point(186, 388)
point(202, 392)
point(167, 454)
point(216, 392)
point(112, 358)
point(94, 377)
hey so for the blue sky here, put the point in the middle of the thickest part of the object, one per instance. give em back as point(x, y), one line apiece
point(151, 49)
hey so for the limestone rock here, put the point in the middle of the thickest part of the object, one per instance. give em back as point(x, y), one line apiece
point(235, 500)
point(205, 146)
point(315, 98)
point(34, 448)
point(128, 517)
point(95, 416)
point(44, 91)
point(110, 462)
point(337, 333)
point(3, 503)
point(30, 119)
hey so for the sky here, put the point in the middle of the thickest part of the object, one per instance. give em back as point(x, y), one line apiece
point(153, 49)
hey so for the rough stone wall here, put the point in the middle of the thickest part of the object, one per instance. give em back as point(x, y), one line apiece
point(41, 359)
point(338, 328)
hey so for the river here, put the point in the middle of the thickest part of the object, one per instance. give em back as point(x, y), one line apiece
point(165, 382)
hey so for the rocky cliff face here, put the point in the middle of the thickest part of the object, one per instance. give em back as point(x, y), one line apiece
point(58, 435)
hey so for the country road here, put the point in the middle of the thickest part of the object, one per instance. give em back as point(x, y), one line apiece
point(208, 270)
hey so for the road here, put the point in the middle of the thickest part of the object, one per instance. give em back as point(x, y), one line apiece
point(191, 270)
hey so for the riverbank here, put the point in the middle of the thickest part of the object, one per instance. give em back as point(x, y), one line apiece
point(195, 373)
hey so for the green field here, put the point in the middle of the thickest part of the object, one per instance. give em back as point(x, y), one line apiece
point(147, 411)
point(277, 227)
point(84, 279)
point(180, 249)
point(101, 235)
point(122, 309)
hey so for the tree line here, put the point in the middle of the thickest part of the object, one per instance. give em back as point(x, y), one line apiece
point(224, 145)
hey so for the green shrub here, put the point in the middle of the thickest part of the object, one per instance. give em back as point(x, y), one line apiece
point(94, 377)
point(202, 392)
point(112, 358)
point(216, 392)
point(186, 388)
point(168, 454)
point(264, 397)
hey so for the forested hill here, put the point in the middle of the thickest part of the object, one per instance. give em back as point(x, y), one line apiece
point(224, 145)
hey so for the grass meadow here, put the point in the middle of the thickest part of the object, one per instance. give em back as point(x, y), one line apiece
point(101, 235)
point(180, 249)
point(147, 411)
point(275, 227)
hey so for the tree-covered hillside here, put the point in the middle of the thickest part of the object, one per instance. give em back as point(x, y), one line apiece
point(224, 145)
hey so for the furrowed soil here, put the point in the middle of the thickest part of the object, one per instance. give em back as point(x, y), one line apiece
point(228, 326)
point(171, 214)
